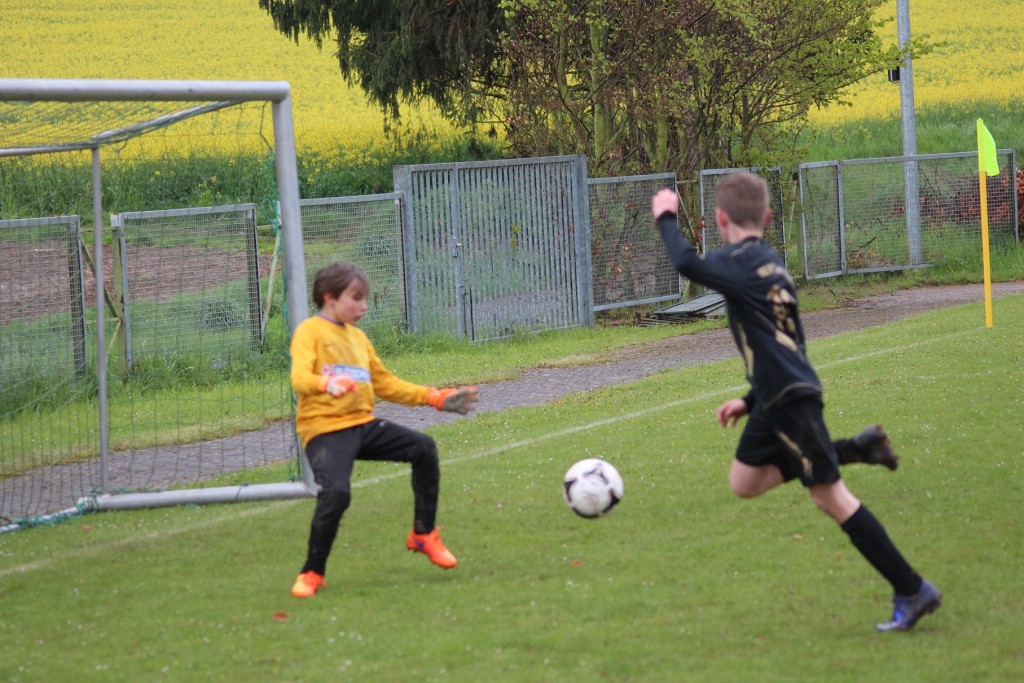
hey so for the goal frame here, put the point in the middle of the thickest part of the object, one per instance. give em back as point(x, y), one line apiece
point(213, 95)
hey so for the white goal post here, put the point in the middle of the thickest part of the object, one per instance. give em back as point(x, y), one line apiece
point(205, 97)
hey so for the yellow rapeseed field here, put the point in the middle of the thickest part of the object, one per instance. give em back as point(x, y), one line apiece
point(983, 59)
point(234, 39)
point(193, 40)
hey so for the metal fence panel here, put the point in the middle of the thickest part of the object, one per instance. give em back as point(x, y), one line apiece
point(775, 231)
point(497, 247)
point(433, 271)
point(190, 281)
point(47, 388)
point(856, 218)
point(42, 299)
point(821, 197)
point(365, 230)
point(630, 266)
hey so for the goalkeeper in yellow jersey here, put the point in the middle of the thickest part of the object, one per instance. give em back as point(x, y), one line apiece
point(337, 376)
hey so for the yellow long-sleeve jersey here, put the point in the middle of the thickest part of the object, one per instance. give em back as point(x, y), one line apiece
point(321, 349)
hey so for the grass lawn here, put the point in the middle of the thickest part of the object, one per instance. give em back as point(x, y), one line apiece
point(682, 582)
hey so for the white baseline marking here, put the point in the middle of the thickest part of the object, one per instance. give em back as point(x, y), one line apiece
point(245, 513)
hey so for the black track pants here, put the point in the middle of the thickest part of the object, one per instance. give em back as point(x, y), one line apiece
point(332, 457)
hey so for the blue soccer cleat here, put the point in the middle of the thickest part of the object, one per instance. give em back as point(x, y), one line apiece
point(907, 610)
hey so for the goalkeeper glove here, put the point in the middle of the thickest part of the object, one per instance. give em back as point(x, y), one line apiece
point(337, 385)
point(459, 401)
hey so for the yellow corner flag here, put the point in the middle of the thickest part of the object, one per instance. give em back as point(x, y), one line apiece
point(987, 161)
point(987, 165)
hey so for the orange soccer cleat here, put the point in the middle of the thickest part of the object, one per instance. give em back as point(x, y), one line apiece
point(308, 584)
point(431, 546)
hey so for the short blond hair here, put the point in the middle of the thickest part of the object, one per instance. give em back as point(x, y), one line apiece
point(743, 197)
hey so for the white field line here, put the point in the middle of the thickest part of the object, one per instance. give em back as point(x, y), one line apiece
point(246, 512)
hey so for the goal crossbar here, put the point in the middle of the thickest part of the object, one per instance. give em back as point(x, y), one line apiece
point(213, 95)
point(96, 90)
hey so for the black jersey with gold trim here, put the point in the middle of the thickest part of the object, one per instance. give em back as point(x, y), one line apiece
point(761, 302)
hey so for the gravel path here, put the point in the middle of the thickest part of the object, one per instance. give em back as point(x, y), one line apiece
point(34, 492)
point(638, 361)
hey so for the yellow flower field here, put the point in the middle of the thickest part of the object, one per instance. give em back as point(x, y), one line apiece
point(983, 59)
point(234, 39)
point(194, 40)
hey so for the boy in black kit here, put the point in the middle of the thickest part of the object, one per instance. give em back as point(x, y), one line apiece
point(785, 436)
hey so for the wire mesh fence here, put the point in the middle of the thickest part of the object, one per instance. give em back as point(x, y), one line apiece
point(774, 231)
point(496, 248)
point(856, 217)
point(630, 267)
point(46, 365)
point(365, 230)
point(39, 311)
point(480, 250)
point(189, 280)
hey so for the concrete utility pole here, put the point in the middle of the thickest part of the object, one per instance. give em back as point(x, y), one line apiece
point(909, 127)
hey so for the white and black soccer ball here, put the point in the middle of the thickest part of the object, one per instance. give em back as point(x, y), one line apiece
point(592, 488)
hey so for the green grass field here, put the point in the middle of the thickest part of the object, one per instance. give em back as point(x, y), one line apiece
point(682, 582)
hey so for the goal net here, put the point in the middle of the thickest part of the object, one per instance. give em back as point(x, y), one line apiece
point(143, 358)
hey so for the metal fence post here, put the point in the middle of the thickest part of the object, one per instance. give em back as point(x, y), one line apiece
point(403, 185)
point(581, 219)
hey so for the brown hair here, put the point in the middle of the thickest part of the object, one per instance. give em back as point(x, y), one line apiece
point(336, 278)
point(743, 197)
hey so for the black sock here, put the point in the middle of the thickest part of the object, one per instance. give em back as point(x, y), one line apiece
point(848, 451)
point(869, 537)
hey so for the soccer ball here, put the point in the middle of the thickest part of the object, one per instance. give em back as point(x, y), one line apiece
point(592, 488)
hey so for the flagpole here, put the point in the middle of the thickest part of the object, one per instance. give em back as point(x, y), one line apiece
point(986, 268)
point(988, 165)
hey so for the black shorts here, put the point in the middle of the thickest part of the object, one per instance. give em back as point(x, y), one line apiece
point(792, 437)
